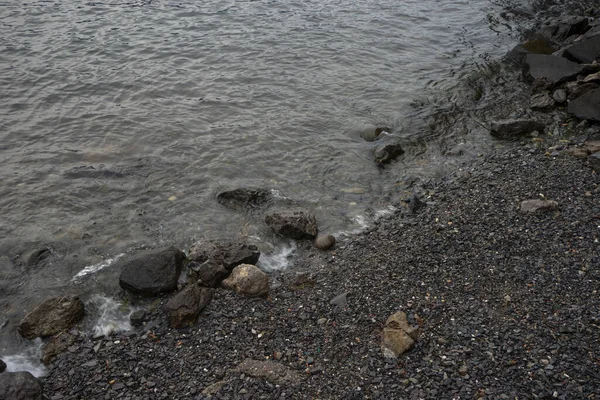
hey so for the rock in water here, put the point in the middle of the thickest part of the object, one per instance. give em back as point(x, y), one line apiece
point(248, 280)
point(152, 272)
point(2, 366)
point(51, 317)
point(325, 242)
point(183, 308)
point(515, 129)
point(536, 205)
point(226, 253)
point(293, 224)
point(398, 336)
point(244, 198)
point(20, 386)
point(386, 153)
point(586, 106)
point(552, 68)
point(585, 51)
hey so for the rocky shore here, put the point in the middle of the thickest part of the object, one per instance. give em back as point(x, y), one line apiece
point(485, 285)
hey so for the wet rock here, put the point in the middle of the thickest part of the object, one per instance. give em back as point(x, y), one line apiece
point(539, 45)
point(370, 133)
point(39, 258)
point(325, 242)
point(248, 280)
point(568, 27)
point(398, 336)
point(579, 89)
point(92, 173)
point(594, 160)
point(532, 206)
point(270, 371)
point(207, 274)
point(586, 106)
point(560, 96)
point(244, 198)
point(226, 253)
point(152, 272)
point(2, 366)
point(585, 51)
point(293, 224)
point(55, 346)
point(541, 102)
point(515, 129)
point(340, 300)
point(20, 386)
point(51, 317)
point(137, 317)
point(386, 153)
point(555, 69)
point(184, 307)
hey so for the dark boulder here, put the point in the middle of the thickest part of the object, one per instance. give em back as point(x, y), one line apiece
point(244, 198)
point(2, 366)
point(555, 69)
point(226, 253)
point(51, 317)
point(586, 106)
point(585, 51)
point(20, 386)
point(386, 153)
point(207, 274)
point(152, 272)
point(293, 224)
point(184, 307)
point(137, 317)
point(515, 129)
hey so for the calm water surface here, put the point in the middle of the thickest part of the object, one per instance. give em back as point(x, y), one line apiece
point(162, 104)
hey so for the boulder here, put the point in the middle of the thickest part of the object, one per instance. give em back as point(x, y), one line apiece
point(226, 253)
point(244, 198)
point(184, 307)
point(585, 51)
point(325, 242)
point(20, 386)
point(55, 346)
point(556, 69)
point(152, 272)
point(532, 206)
point(386, 153)
point(2, 366)
point(398, 336)
point(51, 317)
point(271, 371)
point(515, 129)
point(293, 224)
point(248, 280)
point(541, 102)
point(207, 274)
point(586, 106)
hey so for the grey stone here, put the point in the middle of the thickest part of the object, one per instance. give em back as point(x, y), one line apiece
point(152, 272)
point(555, 69)
point(325, 242)
point(586, 106)
point(184, 307)
point(51, 317)
point(340, 300)
point(293, 224)
point(585, 51)
point(248, 280)
point(541, 102)
point(386, 153)
point(137, 317)
point(531, 206)
point(560, 95)
point(207, 274)
point(20, 386)
point(515, 129)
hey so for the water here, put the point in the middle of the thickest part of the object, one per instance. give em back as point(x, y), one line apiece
point(121, 121)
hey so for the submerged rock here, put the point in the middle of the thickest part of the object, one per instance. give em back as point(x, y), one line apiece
point(325, 242)
point(586, 106)
point(532, 206)
point(554, 69)
point(226, 253)
point(585, 51)
point(152, 272)
point(244, 198)
point(398, 336)
point(386, 153)
point(20, 386)
point(184, 307)
point(248, 280)
point(51, 317)
point(293, 224)
point(515, 129)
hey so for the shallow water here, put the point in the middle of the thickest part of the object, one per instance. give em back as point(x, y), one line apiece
point(121, 121)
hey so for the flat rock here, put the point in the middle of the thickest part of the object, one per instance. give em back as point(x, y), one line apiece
point(515, 129)
point(184, 307)
point(586, 106)
point(585, 51)
point(152, 272)
point(293, 224)
point(531, 206)
point(248, 280)
point(541, 102)
point(398, 336)
point(386, 153)
point(226, 253)
point(20, 386)
point(52, 316)
point(340, 300)
point(244, 198)
point(555, 69)
point(270, 371)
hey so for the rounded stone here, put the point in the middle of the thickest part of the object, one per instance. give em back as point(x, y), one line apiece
point(325, 242)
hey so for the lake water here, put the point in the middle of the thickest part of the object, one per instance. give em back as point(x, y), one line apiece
point(122, 120)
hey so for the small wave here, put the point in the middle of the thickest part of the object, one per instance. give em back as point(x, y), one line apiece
point(364, 221)
point(112, 316)
point(92, 269)
point(27, 360)
point(278, 259)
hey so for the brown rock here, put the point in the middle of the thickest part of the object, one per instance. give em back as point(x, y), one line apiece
point(248, 280)
point(325, 242)
point(226, 253)
point(183, 308)
point(398, 336)
point(293, 224)
point(52, 316)
point(55, 346)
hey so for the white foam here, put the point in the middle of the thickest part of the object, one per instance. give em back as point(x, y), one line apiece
point(27, 360)
point(112, 316)
point(278, 259)
point(92, 269)
point(363, 221)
